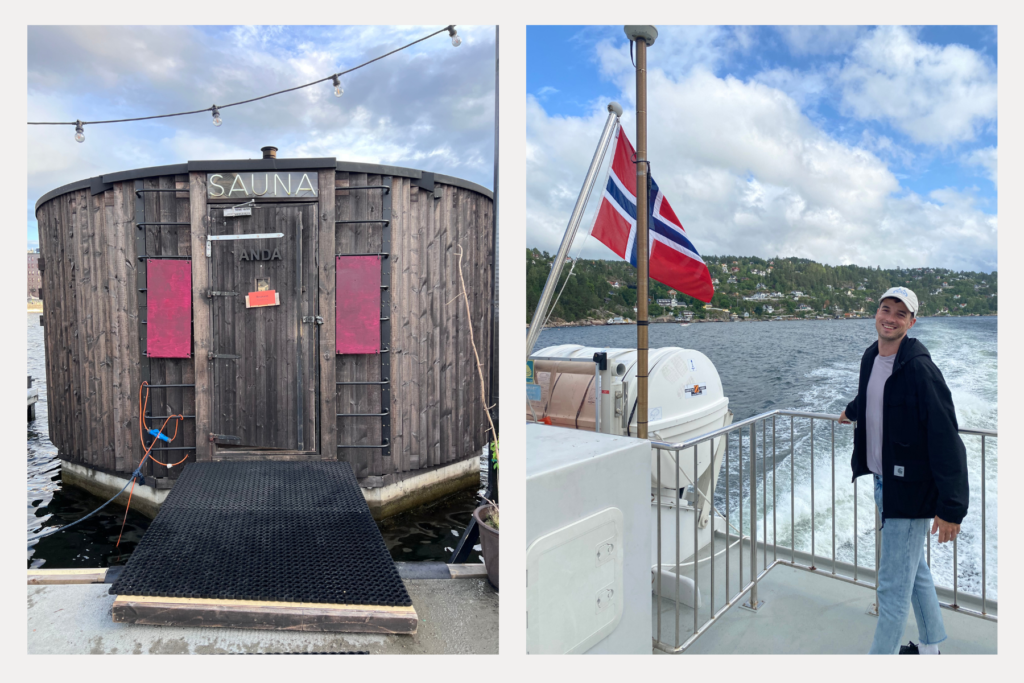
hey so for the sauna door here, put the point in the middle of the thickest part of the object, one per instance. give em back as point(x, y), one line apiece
point(263, 353)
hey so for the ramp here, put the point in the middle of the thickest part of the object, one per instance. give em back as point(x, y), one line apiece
point(269, 544)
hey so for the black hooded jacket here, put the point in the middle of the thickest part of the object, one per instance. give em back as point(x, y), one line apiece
point(924, 463)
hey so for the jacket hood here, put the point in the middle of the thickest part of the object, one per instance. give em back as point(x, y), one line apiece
point(910, 348)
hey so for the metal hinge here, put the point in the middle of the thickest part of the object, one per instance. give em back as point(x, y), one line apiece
point(313, 319)
point(229, 356)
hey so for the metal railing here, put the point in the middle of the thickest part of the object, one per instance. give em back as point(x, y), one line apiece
point(797, 558)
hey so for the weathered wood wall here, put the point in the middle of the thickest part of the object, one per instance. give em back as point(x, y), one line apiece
point(91, 315)
point(437, 416)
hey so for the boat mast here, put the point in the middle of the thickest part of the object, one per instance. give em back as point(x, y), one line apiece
point(539, 314)
point(642, 36)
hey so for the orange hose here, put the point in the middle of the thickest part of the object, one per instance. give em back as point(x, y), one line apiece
point(118, 545)
point(142, 440)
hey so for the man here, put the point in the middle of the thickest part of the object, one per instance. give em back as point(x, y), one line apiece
point(906, 435)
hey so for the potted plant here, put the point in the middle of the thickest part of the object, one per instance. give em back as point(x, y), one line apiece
point(487, 521)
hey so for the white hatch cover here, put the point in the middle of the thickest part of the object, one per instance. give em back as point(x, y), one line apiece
point(574, 585)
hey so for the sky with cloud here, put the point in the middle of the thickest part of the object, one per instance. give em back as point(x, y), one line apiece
point(429, 107)
point(842, 144)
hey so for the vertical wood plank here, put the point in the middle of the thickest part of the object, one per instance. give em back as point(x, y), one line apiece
point(200, 311)
point(414, 286)
point(342, 370)
point(186, 375)
point(328, 441)
point(448, 328)
point(431, 287)
point(399, 221)
point(100, 215)
point(85, 328)
point(132, 359)
point(375, 463)
point(117, 284)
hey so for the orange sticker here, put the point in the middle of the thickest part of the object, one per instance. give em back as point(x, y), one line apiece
point(265, 298)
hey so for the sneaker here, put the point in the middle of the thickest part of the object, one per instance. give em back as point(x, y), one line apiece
point(910, 649)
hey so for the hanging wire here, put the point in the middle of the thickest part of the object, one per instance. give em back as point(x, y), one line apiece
point(448, 29)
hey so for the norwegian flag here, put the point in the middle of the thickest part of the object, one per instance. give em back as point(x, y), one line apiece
point(673, 259)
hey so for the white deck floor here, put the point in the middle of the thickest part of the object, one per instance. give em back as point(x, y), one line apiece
point(803, 613)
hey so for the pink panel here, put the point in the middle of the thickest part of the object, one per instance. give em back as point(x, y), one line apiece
point(169, 308)
point(358, 304)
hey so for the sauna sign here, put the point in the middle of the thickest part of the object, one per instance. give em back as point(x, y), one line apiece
point(277, 185)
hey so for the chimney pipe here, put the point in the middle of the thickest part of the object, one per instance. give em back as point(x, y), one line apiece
point(269, 152)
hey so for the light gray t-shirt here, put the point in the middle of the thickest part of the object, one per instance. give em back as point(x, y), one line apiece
point(880, 372)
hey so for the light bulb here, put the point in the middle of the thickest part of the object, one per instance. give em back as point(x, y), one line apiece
point(338, 91)
point(456, 41)
point(216, 116)
point(79, 133)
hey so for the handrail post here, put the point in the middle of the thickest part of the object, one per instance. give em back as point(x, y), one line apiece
point(984, 578)
point(873, 610)
point(814, 564)
point(753, 604)
point(728, 520)
point(696, 544)
point(833, 497)
point(658, 515)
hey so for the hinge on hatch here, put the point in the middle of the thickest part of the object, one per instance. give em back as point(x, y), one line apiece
point(313, 319)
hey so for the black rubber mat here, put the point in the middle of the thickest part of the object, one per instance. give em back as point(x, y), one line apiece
point(278, 531)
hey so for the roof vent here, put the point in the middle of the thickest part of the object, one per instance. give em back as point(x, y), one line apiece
point(269, 152)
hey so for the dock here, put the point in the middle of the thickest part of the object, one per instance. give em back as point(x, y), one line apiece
point(457, 616)
point(265, 545)
point(33, 398)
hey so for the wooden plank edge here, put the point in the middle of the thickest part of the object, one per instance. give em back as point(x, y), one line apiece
point(54, 577)
point(285, 616)
point(469, 570)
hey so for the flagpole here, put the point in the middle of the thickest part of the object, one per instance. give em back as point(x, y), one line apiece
point(614, 112)
point(641, 36)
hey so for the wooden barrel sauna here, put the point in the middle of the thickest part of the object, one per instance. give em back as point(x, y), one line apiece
point(287, 308)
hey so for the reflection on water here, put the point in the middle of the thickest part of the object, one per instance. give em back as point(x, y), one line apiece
point(431, 532)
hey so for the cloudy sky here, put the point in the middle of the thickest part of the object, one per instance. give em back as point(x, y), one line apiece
point(865, 145)
point(429, 107)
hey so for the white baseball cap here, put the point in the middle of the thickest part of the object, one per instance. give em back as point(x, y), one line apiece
point(903, 294)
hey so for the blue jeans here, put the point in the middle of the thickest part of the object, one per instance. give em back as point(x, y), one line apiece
point(904, 579)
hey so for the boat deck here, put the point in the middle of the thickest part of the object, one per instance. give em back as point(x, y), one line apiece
point(803, 612)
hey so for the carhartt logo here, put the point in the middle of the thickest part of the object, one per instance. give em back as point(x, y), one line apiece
point(899, 471)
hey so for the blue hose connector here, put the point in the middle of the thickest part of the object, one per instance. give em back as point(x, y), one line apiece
point(160, 435)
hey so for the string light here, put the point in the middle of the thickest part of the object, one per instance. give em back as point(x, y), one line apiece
point(338, 91)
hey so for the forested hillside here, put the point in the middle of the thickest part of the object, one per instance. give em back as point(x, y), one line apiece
point(761, 288)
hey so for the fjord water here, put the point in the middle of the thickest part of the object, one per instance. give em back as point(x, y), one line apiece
point(812, 366)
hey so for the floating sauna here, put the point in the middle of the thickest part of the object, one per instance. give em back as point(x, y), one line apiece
point(288, 308)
